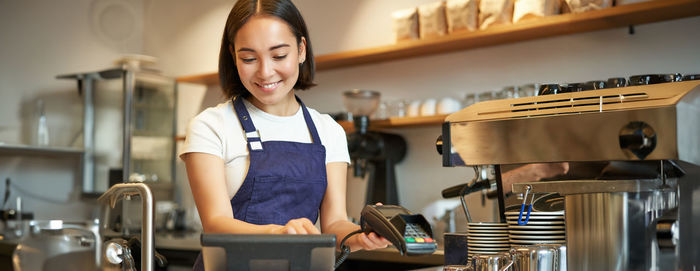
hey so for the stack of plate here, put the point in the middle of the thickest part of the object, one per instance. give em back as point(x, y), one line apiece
point(542, 228)
point(487, 238)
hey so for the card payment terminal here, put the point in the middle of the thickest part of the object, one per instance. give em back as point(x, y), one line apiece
point(409, 233)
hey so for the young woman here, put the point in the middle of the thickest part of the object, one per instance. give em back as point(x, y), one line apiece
point(263, 162)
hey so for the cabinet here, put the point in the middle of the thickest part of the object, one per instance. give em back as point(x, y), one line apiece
point(129, 128)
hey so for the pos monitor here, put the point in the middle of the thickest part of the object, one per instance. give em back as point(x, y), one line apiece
point(268, 252)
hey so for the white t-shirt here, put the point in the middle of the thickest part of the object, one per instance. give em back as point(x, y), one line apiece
point(218, 131)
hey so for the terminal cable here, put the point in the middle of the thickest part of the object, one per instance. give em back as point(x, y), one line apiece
point(344, 250)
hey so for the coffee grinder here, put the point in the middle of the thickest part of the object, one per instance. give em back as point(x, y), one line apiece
point(372, 152)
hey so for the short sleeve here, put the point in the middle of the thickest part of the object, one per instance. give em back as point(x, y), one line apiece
point(205, 134)
point(337, 145)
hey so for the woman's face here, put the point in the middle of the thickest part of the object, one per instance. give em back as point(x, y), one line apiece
point(267, 57)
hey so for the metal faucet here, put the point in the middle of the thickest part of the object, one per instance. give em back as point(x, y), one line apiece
point(124, 190)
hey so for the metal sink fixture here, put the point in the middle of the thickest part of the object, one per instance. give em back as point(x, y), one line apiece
point(109, 200)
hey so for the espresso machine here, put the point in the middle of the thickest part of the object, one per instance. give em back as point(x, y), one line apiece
point(632, 195)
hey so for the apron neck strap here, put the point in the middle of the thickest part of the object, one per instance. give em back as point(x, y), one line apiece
point(309, 122)
point(251, 131)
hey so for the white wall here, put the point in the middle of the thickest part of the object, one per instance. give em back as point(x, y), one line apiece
point(39, 40)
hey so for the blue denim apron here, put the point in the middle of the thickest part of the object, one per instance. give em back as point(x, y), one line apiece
point(285, 181)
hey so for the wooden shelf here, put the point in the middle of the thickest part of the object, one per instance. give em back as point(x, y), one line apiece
point(35, 150)
point(397, 122)
point(393, 122)
point(618, 16)
point(204, 79)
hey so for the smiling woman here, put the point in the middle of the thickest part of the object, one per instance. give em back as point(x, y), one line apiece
point(263, 163)
point(267, 58)
point(286, 18)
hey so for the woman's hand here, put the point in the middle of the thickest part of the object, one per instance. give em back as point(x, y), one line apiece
point(369, 241)
point(297, 226)
point(549, 170)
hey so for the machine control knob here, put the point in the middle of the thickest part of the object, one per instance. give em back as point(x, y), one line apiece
point(637, 140)
point(117, 252)
point(114, 252)
point(667, 233)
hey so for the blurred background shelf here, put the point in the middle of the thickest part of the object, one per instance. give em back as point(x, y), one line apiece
point(8, 149)
point(393, 122)
point(397, 122)
point(557, 25)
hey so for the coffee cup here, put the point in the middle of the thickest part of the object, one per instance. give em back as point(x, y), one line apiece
point(535, 257)
point(495, 262)
point(457, 268)
point(616, 82)
point(428, 107)
point(649, 79)
point(448, 105)
point(547, 89)
point(413, 109)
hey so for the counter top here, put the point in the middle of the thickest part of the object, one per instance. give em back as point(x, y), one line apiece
point(188, 241)
point(191, 242)
point(7, 247)
point(391, 254)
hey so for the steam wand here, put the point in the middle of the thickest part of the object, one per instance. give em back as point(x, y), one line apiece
point(463, 193)
point(461, 190)
point(7, 193)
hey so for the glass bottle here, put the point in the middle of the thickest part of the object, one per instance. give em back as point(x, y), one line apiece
point(42, 129)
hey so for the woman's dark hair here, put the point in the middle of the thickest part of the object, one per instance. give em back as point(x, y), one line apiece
point(241, 12)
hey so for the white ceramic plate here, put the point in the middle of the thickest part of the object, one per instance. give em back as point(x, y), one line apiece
point(505, 226)
point(475, 249)
point(537, 237)
point(537, 232)
point(535, 227)
point(488, 239)
point(538, 241)
point(488, 245)
point(486, 225)
point(487, 234)
point(533, 213)
point(504, 230)
point(535, 222)
point(535, 217)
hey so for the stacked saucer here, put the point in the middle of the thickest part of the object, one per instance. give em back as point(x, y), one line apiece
point(542, 228)
point(487, 238)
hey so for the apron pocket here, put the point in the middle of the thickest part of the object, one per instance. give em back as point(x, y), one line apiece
point(276, 200)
